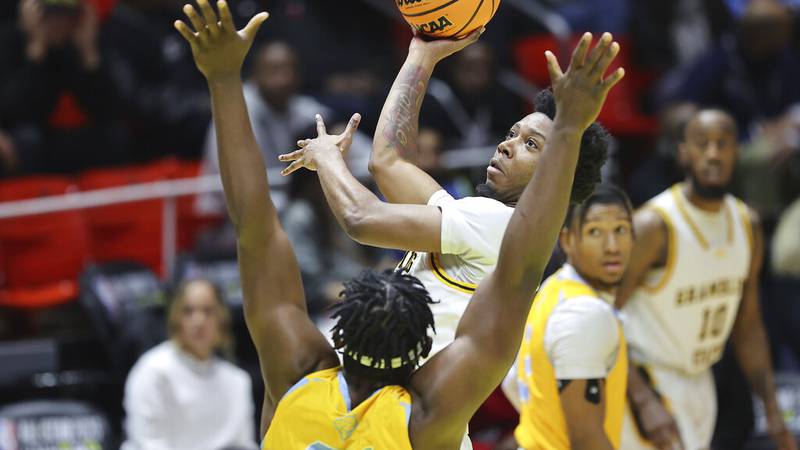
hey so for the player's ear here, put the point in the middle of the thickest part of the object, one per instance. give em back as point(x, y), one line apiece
point(565, 240)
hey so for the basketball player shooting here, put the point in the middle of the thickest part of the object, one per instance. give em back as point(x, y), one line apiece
point(693, 282)
point(451, 244)
point(376, 399)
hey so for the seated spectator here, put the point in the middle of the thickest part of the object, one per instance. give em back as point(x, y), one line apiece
point(180, 394)
point(56, 95)
point(468, 108)
point(279, 116)
point(786, 243)
point(752, 75)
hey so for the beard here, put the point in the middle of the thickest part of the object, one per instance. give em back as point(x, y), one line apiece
point(706, 191)
point(484, 190)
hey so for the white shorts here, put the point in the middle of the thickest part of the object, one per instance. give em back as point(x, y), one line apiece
point(692, 400)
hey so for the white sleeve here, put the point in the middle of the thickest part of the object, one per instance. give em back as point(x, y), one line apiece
point(147, 410)
point(474, 226)
point(582, 338)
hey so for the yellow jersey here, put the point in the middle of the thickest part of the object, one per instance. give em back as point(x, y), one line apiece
point(315, 414)
point(542, 424)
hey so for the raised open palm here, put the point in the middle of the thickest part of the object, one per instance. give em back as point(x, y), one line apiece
point(217, 47)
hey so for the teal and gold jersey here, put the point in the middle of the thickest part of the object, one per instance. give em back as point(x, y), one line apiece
point(315, 414)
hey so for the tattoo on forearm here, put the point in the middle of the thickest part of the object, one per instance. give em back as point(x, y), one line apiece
point(402, 121)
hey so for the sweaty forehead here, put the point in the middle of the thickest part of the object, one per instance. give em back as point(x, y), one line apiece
point(537, 122)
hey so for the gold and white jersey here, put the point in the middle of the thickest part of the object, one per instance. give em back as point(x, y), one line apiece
point(681, 316)
point(471, 234)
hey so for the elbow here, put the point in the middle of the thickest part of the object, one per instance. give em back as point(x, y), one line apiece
point(356, 225)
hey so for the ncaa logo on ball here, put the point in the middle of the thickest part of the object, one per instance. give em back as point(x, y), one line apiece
point(433, 26)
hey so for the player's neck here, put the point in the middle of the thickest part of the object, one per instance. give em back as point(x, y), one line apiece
point(360, 388)
point(706, 204)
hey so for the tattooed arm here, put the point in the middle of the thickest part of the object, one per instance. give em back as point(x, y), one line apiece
point(394, 149)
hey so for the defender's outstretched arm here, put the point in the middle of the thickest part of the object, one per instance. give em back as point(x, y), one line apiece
point(289, 345)
point(488, 336)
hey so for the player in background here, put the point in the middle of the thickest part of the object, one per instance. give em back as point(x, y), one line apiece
point(451, 244)
point(692, 282)
point(376, 398)
point(570, 376)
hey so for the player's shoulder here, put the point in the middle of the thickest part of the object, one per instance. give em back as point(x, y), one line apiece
point(484, 205)
point(749, 213)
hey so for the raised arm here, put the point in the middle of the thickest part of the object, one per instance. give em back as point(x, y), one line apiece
point(751, 347)
point(490, 331)
point(362, 215)
point(394, 148)
point(289, 345)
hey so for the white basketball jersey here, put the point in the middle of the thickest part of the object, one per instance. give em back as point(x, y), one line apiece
point(472, 231)
point(681, 316)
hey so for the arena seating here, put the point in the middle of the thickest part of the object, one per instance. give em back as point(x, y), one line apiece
point(41, 255)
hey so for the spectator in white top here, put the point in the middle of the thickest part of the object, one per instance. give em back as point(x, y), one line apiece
point(279, 116)
point(180, 395)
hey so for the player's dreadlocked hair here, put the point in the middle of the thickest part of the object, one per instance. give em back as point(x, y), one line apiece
point(382, 325)
point(593, 152)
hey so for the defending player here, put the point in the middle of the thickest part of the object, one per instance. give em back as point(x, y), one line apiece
point(572, 367)
point(452, 244)
point(373, 400)
point(692, 282)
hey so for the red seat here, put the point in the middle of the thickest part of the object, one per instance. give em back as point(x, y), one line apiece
point(127, 231)
point(621, 113)
point(42, 255)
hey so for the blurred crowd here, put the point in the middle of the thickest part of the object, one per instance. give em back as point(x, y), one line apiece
point(103, 83)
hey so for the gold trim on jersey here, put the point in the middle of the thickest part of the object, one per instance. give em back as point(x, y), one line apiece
point(680, 202)
point(461, 286)
point(747, 224)
point(669, 266)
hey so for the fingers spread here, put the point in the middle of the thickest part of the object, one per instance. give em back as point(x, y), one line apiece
point(613, 79)
point(598, 51)
point(254, 24)
point(579, 54)
point(209, 16)
point(292, 167)
point(291, 156)
point(352, 125)
point(303, 142)
point(184, 30)
point(605, 60)
point(320, 126)
point(553, 67)
point(197, 22)
point(225, 16)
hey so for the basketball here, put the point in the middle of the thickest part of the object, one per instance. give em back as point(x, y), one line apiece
point(443, 19)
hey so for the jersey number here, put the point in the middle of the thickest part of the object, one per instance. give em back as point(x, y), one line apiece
point(713, 322)
point(408, 260)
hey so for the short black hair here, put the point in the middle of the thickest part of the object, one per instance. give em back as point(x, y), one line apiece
point(593, 152)
point(382, 325)
point(603, 194)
